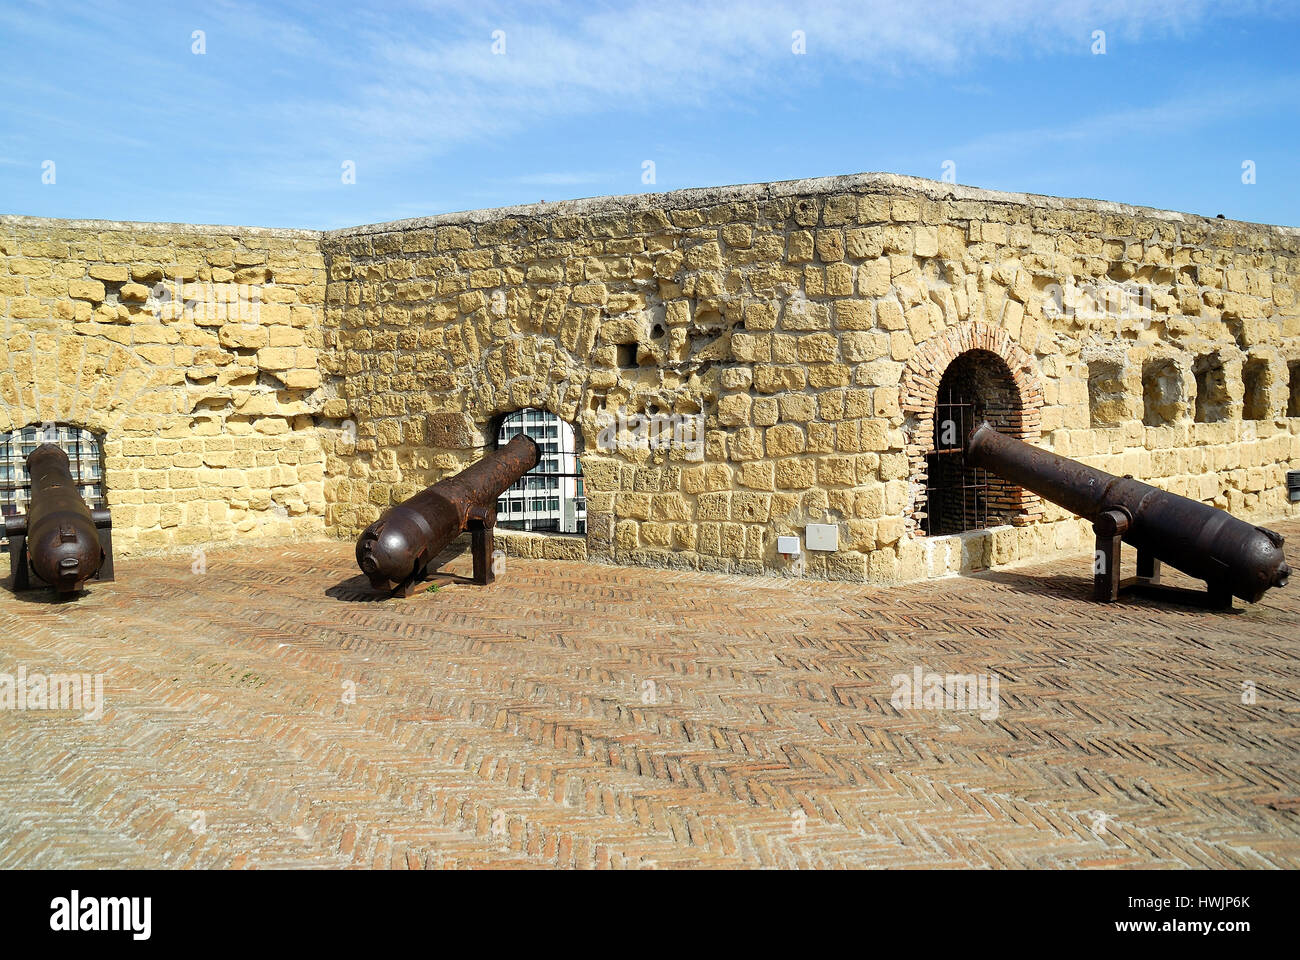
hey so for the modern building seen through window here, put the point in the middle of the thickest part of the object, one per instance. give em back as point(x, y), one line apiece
point(550, 497)
point(85, 459)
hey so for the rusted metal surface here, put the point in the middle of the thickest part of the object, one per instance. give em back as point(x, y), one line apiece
point(64, 542)
point(395, 551)
point(1233, 557)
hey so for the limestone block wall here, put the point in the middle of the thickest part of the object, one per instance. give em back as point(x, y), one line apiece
point(809, 325)
point(193, 350)
point(805, 328)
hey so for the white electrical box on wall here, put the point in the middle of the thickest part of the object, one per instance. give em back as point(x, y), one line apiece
point(822, 536)
point(787, 545)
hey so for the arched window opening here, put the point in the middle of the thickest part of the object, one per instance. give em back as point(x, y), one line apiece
point(85, 451)
point(976, 386)
point(551, 497)
point(1293, 397)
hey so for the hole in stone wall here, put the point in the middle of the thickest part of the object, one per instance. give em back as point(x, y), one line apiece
point(551, 497)
point(1211, 389)
point(625, 355)
point(1162, 392)
point(976, 386)
point(1293, 396)
point(1255, 380)
point(1106, 402)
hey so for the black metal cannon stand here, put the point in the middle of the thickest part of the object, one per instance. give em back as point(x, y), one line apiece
point(482, 523)
point(16, 531)
point(104, 525)
point(411, 584)
point(1108, 584)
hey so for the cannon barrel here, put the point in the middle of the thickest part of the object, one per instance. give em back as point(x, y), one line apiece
point(1232, 556)
point(62, 541)
point(395, 550)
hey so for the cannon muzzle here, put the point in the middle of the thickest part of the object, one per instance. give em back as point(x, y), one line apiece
point(1233, 557)
point(395, 551)
point(60, 536)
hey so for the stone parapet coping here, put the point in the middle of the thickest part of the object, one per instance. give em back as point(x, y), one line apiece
point(141, 226)
point(864, 183)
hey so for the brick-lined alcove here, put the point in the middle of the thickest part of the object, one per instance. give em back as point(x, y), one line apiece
point(919, 392)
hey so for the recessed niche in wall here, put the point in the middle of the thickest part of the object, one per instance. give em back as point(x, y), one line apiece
point(1107, 405)
point(1255, 382)
point(1212, 401)
point(1162, 392)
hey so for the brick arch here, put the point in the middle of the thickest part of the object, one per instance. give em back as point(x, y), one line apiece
point(919, 389)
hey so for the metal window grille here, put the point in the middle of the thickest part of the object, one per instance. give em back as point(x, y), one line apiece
point(85, 458)
point(956, 495)
point(548, 498)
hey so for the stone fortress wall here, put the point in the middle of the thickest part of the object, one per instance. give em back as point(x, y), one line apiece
point(804, 328)
point(149, 335)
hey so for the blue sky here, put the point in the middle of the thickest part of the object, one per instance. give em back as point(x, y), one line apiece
point(257, 129)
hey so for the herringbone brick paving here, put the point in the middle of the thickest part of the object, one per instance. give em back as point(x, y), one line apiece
point(579, 715)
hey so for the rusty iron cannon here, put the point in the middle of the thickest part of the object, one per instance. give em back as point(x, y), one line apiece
point(1233, 557)
point(60, 540)
point(396, 550)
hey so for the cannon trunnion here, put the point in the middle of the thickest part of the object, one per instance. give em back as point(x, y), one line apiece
point(1233, 557)
point(396, 550)
point(61, 541)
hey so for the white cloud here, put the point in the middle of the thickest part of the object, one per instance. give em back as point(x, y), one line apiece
point(435, 83)
point(282, 98)
point(1132, 125)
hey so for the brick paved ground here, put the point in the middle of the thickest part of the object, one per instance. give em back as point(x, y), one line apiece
point(506, 726)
